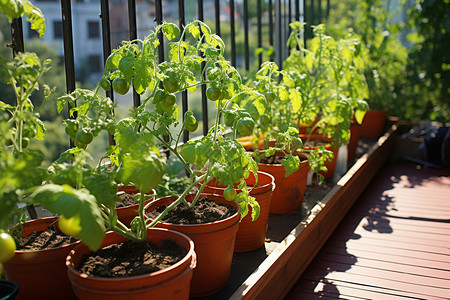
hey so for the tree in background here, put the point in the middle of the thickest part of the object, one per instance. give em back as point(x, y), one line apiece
point(429, 58)
point(411, 84)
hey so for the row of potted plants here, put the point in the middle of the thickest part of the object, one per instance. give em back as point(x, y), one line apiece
point(319, 86)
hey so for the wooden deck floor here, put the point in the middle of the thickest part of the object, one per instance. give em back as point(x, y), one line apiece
point(393, 244)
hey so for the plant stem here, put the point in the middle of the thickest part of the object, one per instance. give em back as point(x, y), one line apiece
point(176, 202)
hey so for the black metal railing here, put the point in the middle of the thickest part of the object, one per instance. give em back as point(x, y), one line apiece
point(272, 15)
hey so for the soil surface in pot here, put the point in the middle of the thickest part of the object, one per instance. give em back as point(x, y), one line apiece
point(127, 199)
point(204, 211)
point(274, 160)
point(131, 259)
point(39, 240)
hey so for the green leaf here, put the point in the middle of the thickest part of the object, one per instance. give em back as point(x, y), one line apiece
point(67, 201)
point(170, 30)
point(40, 129)
point(112, 62)
point(35, 17)
point(12, 8)
point(126, 66)
point(291, 164)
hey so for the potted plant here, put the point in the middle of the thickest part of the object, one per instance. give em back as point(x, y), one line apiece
point(330, 86)
point(276, 137)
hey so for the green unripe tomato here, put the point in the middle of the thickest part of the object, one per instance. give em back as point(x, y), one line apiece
point(71, 128)
point(229, 193)
point(169, 99)
point(120, 86)
point(213, 93)
point(25, 142)
point(69, 226)
point(228, 119)
point(159, 96)
point(105, 84)
point(191, 124)
point(7, 247)
point(264, 119)
point(270, 96)
point(83, 136)
point(245, 126)
point(171, 84)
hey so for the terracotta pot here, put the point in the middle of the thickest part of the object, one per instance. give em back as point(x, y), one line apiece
point(127, 214)
point(288, 193)
point(172, 282)
point(214, 244)
point(251, 234)
point(355, 133)
point(331, 165)
point(40, 273)
point(372, 126)
point(8, 289)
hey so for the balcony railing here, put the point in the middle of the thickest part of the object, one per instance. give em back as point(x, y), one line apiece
point(272, 20)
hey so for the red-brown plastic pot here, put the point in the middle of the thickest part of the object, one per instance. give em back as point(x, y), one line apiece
point(214, 244)
point(331, 165)
point(372, 126)
point(251, 234)
point(355, 133)
point(288, 193)
point(170, 283)
point(41, 274)
point(128, 213)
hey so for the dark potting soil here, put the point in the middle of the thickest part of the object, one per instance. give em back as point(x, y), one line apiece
point(204, 211)
point(39, 240)
point(272, 160)
point(131, 259)
point(127, 199)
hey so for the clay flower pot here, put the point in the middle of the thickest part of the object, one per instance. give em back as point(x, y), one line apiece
point(355, 133)
point(172, 282)
point(251, 234)
point(40, 273)
point(214, 244)
point(331, 165)
point(288, 193)
point(372, 126)
point(127, 214)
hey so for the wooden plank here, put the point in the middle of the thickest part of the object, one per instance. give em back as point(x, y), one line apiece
point(409, 250)
point(385, 264)
point(380, 235)
point(355, 217)
point(400, 256)
point(383, 293)
point(343, 290)
point(397, 274)
point(317, 274)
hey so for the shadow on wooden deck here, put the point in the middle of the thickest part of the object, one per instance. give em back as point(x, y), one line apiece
point(394, 243)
